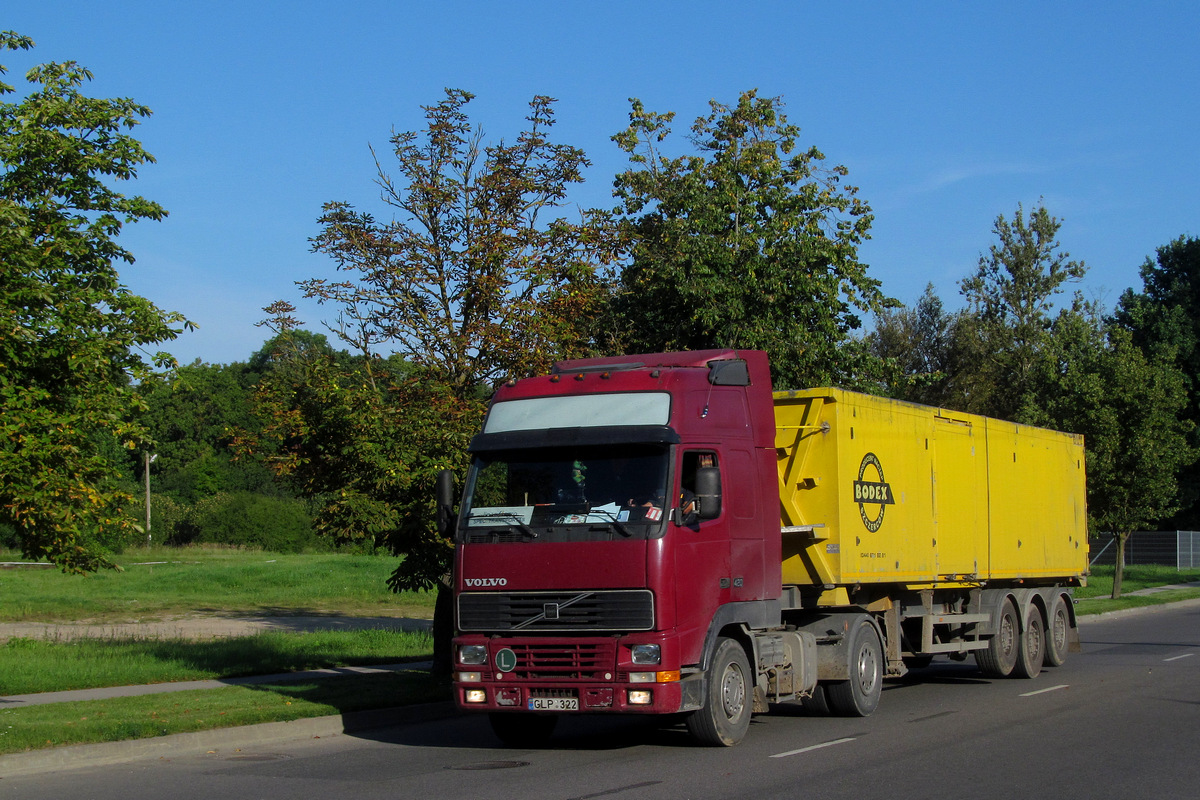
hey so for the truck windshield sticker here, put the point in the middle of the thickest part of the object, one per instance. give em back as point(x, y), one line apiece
point(872, 493)
point(579, 411)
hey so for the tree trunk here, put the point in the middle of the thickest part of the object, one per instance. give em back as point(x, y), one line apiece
point(1119, 571)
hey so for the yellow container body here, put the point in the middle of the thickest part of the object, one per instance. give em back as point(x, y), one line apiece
point(880, 491)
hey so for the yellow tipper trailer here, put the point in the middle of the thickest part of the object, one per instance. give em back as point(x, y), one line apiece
point(886, 491)
point(961, 532)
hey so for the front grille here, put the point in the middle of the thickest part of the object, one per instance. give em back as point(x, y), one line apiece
point(589, 662)
point(621, 610)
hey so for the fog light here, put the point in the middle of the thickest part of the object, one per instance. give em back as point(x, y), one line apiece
point(646, 654)
point(475, 696)
point(641, 677)
point(640, 697)
point(472, 654)
point(470, 677)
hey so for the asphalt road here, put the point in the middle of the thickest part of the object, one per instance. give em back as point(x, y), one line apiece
point(1121, 720)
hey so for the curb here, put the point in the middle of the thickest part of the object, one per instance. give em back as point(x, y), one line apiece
point(219, 740)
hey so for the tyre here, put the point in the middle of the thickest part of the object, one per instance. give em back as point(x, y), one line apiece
point(1032, 646)
point(519, 729)
point(999, 658)
point(818, 703)
point(725, 717)
point(859, 696)
point(1058, 631)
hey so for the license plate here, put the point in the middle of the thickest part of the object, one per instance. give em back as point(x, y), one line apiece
point(554, 704)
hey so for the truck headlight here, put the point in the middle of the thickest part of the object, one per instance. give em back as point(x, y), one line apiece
point(472, 654)
point(647, 654)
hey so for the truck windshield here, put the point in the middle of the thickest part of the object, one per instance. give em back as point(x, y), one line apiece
point(612, 489)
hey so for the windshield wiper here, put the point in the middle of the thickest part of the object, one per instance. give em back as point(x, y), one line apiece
point(612, 521)
point(511, 519)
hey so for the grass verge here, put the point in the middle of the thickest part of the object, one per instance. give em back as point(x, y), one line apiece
point(1142, 576)
point(29, 666)
point(124, 718)
point(162, 582)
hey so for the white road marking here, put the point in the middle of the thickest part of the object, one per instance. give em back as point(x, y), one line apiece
point(1176, 658)
point(814, 747)
point(1043, 691)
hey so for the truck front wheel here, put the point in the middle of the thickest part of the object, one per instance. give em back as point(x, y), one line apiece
point(859, 696)
point(725, 717)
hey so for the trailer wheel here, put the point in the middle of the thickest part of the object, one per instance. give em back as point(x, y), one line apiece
point(1058, 631)
point(725, 717)
point(859, 696)
point(518, 729)
point(999, 658)
point(1032, 648)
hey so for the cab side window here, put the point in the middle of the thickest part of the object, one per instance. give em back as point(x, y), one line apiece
point(693, 460)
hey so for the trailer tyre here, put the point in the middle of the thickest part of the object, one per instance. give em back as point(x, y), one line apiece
point(519, 729)
point(1058, 631)
point(1033, 646)
point(725, 717)
point(859, 696)
point(999, 658)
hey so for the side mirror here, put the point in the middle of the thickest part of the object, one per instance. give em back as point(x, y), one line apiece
point(708, 492)
point(445, 503)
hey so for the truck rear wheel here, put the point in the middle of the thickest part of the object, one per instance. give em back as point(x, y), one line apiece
point(999, 658)
point(520, 729)
point(859, 696)
point(1058, 631)
point(1033, 644)
point(725, 717)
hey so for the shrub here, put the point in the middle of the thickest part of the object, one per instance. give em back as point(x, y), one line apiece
point(279, 524)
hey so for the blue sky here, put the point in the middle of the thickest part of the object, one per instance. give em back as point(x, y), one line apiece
point(945, 113)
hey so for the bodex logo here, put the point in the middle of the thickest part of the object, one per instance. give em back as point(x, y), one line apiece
point(481, 582)
point(872, 493)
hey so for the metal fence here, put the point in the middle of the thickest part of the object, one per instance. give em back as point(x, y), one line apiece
point(1180, 549)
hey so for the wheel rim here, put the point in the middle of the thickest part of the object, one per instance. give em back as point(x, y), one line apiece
point(1059, 632)
point(733, 691)
point(1034, 640)
point(868, 670)
point(1008, 637)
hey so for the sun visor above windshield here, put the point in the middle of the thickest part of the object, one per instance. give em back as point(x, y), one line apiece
point(568, 437)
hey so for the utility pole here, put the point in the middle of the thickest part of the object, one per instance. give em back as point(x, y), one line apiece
point(146, 471)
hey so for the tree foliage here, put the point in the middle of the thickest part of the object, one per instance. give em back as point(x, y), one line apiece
point(477, 278)
point(1011, 295)
point(751, 242)
point(924, 352)
point(71, 336)
point(1128, 404)
point(1164, 319)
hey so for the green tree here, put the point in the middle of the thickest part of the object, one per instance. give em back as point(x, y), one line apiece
point(924, 351)
point(750, 243)
point(71, 336)
point(1011, 295)
point(1164, 319)
point(477, 278)
point(1094, 380)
